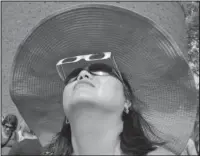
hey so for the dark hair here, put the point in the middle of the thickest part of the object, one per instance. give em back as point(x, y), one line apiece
point(133, 138)
point(12, 120)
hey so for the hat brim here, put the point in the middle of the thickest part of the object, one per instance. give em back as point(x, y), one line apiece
point(150, 58)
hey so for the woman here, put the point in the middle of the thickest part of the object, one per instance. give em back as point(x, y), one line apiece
point(28, 143)
point(8, 134)
point(120, 91)
point(105, 100)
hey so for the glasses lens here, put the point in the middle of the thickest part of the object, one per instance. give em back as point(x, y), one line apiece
point(95, 69)
point(103, 69)
point(100, 67)
point(73, 75)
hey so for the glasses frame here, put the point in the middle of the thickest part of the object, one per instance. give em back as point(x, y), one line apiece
point(87, 58)
point(10, 127)
point(106, 55)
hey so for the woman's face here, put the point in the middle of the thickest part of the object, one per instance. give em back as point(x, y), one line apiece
point(8, 128)
point(105, 92)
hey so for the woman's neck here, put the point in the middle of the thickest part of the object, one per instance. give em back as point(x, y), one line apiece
point(96, 133)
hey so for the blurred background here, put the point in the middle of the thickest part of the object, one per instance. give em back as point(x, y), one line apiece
point(180, 19)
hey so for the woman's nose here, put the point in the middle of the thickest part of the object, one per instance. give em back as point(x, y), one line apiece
point(84, 74)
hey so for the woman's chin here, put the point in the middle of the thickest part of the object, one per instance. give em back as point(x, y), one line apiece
point(88, 103)
point(84, 96)
point(84, 101)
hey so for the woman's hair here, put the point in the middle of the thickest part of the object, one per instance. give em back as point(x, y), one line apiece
point(133, 138)
point(12, 120)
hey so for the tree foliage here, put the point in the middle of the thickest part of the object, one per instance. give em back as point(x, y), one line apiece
point(192, 21)
point(191, 10)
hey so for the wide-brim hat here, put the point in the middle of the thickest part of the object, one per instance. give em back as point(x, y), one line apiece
point(153, 63)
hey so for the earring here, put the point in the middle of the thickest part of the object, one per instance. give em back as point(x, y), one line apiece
point(127, 106)
point(126, 109)
point(67, 121)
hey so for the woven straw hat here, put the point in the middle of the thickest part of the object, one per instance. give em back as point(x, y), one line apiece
point(150, 58)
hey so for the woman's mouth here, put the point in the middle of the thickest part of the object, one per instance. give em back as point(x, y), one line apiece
point(83, 83)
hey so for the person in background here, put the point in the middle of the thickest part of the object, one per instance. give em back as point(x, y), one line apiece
point(8, 133)
point(190, 149)
point(28, 142)
point(195, 135)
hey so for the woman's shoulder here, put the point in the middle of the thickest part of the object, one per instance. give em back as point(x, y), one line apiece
point(161, 151)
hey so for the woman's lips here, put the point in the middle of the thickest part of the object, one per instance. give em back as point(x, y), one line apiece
point(83, 83)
